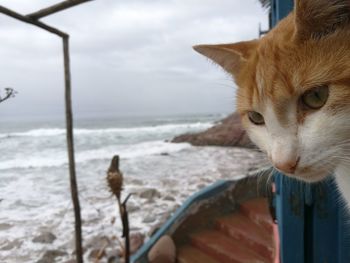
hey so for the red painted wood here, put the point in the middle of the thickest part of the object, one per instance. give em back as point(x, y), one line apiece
point(245, 236)
point(242, 229)
point(257, 210)
point(224, 249)
point(190, 254)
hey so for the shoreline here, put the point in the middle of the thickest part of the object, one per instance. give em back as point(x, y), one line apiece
point(153, 202)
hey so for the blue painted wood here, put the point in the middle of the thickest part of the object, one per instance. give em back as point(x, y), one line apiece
point(325, 223)
point(344, 235)
point(290, 216)
point(204, 194)
point(312, 221)
point(280, 9)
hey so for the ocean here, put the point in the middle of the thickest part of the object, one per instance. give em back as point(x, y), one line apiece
point(34, 180)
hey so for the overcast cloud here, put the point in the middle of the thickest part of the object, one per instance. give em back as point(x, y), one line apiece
point(130, 57)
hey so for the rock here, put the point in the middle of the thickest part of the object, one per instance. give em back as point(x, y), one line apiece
point(113, 256)
point(136, 181)
point(169, 183)
point(136, 241)
point(149, 218)
point(132, 207)
point(169, 198)
point(97, 242)
point(164, 154)
point(114, 259)
point(149, 194)
point(201, 186)
point(11, 245)
point(228, 132)
point(50, 256)
point(45, 237)
point(135, 228)
point(5, 226)
point(71, 261)
point(173, 192)
point(164, 251)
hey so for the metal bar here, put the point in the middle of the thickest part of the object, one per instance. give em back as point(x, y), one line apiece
point(55, 8)
point(28, 20)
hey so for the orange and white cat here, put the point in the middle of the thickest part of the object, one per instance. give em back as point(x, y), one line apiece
point(294, 90)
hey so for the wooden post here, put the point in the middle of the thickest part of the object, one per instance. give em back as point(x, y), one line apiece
point(70, 145)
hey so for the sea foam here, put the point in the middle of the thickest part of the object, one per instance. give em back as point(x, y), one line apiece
point(48, 132)
point(59, 158)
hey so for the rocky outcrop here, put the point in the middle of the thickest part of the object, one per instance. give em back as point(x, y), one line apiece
point(228, 132)
point(149, 194)
point(51, 255)
point(45, 237)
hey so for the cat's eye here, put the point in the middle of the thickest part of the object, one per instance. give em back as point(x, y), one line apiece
point(256, 118)
point(315, 98)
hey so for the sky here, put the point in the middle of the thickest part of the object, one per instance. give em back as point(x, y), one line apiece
point(128, 58)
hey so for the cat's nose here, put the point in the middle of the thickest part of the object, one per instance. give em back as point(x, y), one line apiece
point(287, 166)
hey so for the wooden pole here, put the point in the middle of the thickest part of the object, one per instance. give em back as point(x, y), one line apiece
point(70, 145)
point(56, 8)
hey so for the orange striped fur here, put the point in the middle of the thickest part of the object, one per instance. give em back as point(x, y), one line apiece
point(308, 49)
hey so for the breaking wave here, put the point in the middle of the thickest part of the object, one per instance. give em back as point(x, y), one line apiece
point(134, 130)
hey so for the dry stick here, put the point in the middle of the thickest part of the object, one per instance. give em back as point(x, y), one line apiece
point(127, 235)
point(6, 97)
point(115, 183)
point(69, 123)
point(70, 145)
point(9, 93)
point(126, 229)
point(56, 8)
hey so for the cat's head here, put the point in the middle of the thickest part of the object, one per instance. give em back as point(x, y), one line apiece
point(294, 88)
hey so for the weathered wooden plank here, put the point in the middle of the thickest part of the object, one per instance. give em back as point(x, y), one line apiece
point(55, 8)
point(28, 20)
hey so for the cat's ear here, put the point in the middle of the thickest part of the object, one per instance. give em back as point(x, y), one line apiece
point(230, 57)
point(317, 18)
